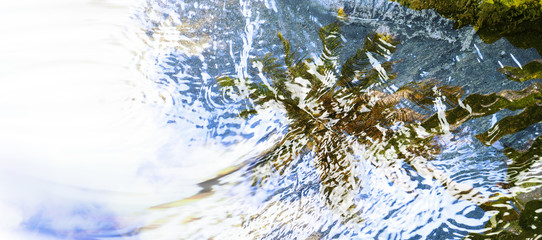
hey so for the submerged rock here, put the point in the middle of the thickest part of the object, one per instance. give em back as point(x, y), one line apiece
point(402, 21)
point(519, 21)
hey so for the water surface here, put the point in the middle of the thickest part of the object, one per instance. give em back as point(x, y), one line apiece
point(119, 129)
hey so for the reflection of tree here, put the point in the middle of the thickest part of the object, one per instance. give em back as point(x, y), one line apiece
point(332, 108)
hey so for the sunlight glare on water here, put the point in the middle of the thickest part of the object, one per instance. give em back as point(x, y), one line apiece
point(78, 119)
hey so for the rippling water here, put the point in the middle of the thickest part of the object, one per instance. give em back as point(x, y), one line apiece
point(114, 125)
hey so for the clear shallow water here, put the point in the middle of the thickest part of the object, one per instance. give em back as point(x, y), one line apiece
point(168, 126)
